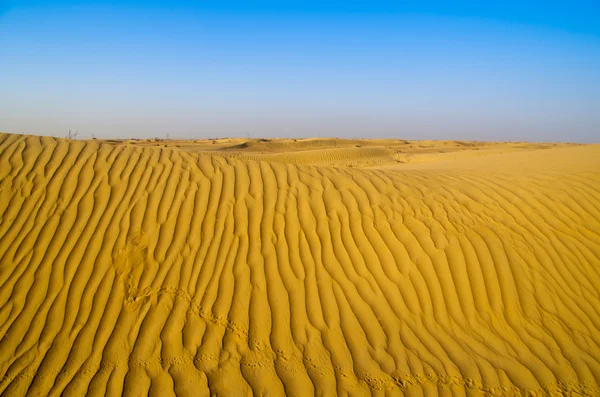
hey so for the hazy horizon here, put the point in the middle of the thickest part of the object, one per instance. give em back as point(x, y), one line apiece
point(501, 72)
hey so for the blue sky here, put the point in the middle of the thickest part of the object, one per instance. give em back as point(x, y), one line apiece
point(506, 70)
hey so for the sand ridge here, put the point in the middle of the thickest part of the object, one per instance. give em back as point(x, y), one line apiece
point(359, 153)
point(133, 268)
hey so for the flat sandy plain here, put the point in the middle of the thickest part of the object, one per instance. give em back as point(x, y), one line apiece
point(237, 267)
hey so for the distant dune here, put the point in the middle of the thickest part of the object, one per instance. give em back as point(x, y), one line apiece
point(324, 267)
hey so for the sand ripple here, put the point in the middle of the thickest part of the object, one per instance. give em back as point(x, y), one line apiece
point(143, 270)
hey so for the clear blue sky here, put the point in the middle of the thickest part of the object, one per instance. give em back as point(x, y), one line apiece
point(490, 70)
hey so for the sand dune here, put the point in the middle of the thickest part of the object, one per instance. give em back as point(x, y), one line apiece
point(196, 269)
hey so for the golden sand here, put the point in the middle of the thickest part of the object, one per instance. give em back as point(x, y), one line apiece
point(278, 267)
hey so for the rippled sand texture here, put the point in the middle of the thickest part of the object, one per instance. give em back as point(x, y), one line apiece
point(142, 269)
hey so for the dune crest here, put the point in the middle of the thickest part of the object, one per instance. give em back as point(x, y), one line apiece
point(133, 269)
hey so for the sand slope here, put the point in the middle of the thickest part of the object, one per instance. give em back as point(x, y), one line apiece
point(128, 268)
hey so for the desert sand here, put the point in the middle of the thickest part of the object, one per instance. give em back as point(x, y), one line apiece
point(237, 267)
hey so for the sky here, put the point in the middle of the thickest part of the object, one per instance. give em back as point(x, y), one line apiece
point(501, 70)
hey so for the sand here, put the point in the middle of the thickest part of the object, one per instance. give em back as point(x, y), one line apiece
point(325, 267)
